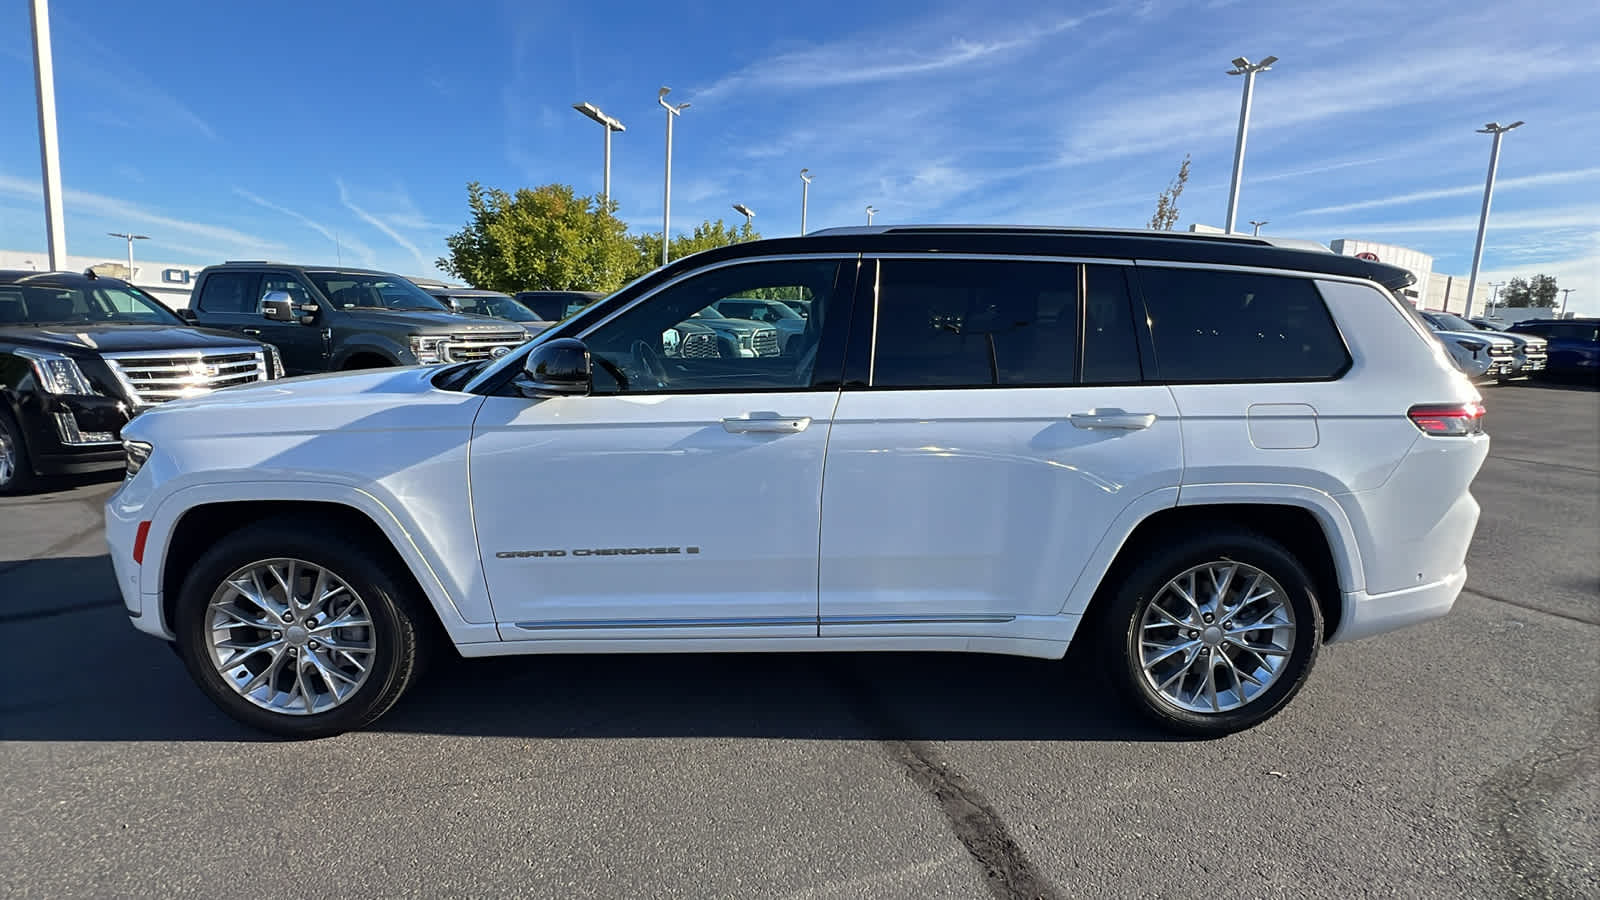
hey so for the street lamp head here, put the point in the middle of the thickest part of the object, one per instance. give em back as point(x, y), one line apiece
point(743, 210)
point(1242, 66)
point(1497, 128)
point(1240, 62)
point(1266, 64)
point(661, 98)
point(593, 112)
point(806, 177)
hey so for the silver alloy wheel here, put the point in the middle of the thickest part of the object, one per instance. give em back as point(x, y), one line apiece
point(1216, 637)
point(8, 457)
point(290, 636)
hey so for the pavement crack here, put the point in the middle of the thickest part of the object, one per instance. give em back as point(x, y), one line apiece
point(1549, 465)
point(1010, 875)
point(1581, 620)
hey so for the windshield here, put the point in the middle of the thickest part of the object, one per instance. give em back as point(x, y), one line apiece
point(497, 305)
point(108, 304)
point(1452, 322)
point(354, 290)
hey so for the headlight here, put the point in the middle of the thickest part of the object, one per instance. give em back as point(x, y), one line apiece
point(274, 362)
point(136, 453)
point(1473, 346)
point(428, 350)
point(57, 374)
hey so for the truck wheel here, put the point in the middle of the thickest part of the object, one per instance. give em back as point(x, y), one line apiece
point(16, 471)
point(1211, 635)
point(296, 631)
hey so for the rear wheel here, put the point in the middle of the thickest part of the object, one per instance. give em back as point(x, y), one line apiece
point(292, 636)
point(1212, 635)
point(16, 470)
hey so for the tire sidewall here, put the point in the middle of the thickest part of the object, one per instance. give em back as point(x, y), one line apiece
point(22, 477)
point(393, 658)
point(1124, 629)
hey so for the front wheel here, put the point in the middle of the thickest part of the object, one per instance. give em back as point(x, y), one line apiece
point(297, 631)
point(1212, 635)
point(16, 472)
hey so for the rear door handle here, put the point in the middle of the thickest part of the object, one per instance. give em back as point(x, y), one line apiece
point(1112, 420)
point(256, 331)
point(765, 423)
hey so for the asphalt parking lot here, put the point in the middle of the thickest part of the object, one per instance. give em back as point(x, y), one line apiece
point(1460, 758)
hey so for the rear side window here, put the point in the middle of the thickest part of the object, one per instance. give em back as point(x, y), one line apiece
point(966, 323)
point(229, 292)
point(1211, 326)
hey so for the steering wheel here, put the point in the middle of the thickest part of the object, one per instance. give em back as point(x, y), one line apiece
point(649, 362)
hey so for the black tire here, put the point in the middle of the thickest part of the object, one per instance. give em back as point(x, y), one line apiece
point(398, 628)
point(20, 479)
point(1119, 628)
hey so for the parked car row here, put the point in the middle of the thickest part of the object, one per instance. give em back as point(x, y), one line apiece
point(1574, 344)
point(1487, 354)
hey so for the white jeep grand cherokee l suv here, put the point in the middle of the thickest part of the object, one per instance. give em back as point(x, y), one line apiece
point(1201, 456)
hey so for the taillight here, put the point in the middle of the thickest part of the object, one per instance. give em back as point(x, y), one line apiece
point(1448, 419)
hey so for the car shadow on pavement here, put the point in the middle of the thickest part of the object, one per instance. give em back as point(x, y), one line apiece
point(75, 670)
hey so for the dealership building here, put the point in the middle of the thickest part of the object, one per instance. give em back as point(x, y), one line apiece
point(169, 282)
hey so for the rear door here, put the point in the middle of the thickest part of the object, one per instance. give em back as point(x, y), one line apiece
point(230, 300)
point(992, 427)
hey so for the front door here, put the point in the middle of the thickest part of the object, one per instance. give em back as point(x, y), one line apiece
point(682, 497)
point(991, 428)
point(303, 347)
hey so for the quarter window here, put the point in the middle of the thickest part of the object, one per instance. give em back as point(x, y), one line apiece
point(1211, 326)
point(966, 323)
point(676, 341)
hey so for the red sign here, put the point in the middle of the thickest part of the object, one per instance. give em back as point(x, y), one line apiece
point(1367, 255)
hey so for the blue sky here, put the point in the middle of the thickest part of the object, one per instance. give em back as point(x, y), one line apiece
point(226, 135)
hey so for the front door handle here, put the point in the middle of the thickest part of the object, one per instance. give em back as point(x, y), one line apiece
point(765, 423)
point(1112, 420)
point(255, 331)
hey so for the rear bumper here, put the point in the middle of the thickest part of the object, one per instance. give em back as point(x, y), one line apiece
point(1368, 614)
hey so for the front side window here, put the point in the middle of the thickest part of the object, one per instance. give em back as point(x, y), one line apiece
point(298, 293)
point(675, 341)
point(966, 323)
point(1217, 326)
point(356, 290)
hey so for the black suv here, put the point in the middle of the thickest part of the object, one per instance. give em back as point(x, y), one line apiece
point(80, 355)
point(328, 318)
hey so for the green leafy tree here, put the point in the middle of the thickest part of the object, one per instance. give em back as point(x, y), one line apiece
point(544, 238)
point(706, 236)
point(1540, 290)
point(1166, 214)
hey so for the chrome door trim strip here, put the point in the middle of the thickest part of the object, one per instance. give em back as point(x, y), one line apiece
point(917, 620)
point(577, 624)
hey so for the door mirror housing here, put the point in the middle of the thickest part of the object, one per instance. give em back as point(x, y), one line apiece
point(278, 306)
point(557, 368)
point(187, 315)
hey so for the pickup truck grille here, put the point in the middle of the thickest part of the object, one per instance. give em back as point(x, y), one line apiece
point(765, 342)
point(1498, 350)
point(481, 345)
point(699, 345)
point(158, 376)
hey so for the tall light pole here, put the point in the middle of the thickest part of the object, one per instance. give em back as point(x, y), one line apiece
point(1249, 70)
point(593, 112)
point(44, 86)
point(871, 211)
point(1494, 294)
point(745, 211)
point(130, 237)
point(1255, 225)
point(1564, 293)
point(1498, 130)
point(805, 195)
point(666, 198)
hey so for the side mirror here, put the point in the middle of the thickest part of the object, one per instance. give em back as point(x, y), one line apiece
point(187, 314)
point(558, 368)
point(278, 306)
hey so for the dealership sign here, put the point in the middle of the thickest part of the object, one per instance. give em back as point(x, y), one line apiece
point(176, 276)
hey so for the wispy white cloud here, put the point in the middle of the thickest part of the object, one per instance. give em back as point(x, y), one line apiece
point(1586, 216)
point(114, 77)
point(340, 242)
point(1466, 190)
point(121, 211)
point(423, 263)
point(861, 60)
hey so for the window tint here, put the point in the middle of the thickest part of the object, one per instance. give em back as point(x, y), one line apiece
point(277, 281)
point(1239, 326)
point(966, 323)
point(1110, 347)
point(229, 292)
point(674, 341)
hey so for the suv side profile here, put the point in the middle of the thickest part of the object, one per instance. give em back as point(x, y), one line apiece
point(331, 318)
point(1197, 457)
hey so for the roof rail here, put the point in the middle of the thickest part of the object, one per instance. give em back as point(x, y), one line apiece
point(1259, 240)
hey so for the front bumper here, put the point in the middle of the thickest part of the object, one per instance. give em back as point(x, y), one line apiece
point(1367, 614)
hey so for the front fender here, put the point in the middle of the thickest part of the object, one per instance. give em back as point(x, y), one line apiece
point(371, 343)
